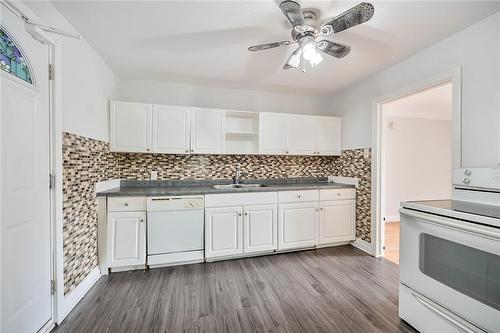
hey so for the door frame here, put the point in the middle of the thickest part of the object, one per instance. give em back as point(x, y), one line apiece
point(453, 76)
point(54, 45)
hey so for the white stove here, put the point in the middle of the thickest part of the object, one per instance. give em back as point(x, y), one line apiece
point(450, 261)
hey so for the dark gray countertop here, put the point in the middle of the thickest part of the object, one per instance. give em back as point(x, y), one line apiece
point(192, 187)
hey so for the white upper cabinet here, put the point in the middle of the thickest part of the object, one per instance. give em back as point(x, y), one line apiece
point(170, 129)
point(130, 127)
point(273, 135)
point(301, 134)
point(141, 128)
point(328, 135)
point(207, 131)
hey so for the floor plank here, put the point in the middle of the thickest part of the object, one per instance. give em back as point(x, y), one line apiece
point(339, 289)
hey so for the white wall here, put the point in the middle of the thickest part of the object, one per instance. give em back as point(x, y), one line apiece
point(417, 161)
point(217, 97)
point(87, 81)
point(477, 50)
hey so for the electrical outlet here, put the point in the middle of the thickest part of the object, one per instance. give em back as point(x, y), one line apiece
point(154, 175)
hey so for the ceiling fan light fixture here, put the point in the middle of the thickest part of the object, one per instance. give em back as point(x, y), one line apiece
point(318, 58)
point(294, 60)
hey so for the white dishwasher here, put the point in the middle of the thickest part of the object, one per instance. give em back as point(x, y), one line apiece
point(175, 230)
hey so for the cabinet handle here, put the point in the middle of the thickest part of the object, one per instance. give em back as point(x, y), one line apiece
point(142, 220)
point(299, 196)
point(187, 150)
point(126, 204)
point(286, 152)
point(246, 214)
point(239, 214)
point(321, 208)
point(147, 149)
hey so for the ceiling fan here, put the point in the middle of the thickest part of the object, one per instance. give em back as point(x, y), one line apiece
point(306, 29)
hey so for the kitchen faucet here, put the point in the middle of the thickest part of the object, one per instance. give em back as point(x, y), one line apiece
point(237, 176)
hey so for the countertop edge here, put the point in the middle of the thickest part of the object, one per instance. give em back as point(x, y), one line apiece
point(203, 190)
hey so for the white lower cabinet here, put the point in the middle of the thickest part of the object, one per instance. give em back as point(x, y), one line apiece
point(259, 228)
point(337, 221)
point(297, 225)
point(223, 232)
point(126, 239)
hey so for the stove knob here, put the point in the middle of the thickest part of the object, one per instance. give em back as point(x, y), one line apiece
point(467, 172)
point(466, 180)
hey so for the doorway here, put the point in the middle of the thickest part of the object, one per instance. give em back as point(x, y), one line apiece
point(25, 199)
point(416, 156)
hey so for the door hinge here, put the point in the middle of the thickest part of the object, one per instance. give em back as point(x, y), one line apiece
point(52, 181)
point(51, 72)
point(52, 287)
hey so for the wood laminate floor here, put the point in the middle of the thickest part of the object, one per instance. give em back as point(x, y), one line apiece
point(391, 241)
point(338, 289)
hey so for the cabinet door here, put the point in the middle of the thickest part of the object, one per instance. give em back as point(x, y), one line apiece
point(272, 128)
point(337, 221)
point(207, 131)
point(126, 238)
point(259, 228)
point(170, 129)
point(297, 225)
point(223, 232)
point(301, 134)
point(130, 127)
point(328, 135)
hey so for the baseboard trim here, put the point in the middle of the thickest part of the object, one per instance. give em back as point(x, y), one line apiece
point(363, 246)
point(76, 295)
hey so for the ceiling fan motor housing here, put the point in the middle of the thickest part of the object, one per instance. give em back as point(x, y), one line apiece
point(311, 25)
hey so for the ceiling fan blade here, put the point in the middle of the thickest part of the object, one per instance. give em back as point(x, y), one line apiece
point(294, 59)
point(348, 19)
point(334, 49)
point(293, 13)
point(269, 45)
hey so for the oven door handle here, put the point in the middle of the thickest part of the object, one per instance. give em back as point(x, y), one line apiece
point(456, 320)
point(472, 228)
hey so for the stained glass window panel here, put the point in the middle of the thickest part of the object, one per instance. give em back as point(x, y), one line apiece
point(11, 59)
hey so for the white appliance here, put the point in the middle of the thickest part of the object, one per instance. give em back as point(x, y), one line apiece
point(450, 262)
point(175, 230)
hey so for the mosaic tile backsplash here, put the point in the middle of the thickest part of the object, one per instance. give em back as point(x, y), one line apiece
point(88, 161)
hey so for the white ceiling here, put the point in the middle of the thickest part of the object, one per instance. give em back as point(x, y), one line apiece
point(434, 103)
point(205, 42)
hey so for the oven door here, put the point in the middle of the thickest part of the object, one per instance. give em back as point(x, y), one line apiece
point(454, 263)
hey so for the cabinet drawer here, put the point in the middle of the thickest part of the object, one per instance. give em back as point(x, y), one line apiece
point(126, 204)
point(298, 196)
point(337, 194)
point(240, 199)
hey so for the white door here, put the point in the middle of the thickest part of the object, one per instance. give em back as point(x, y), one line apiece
point(297, 225)
point(25, 194)
point(272, 133)
point(301, 134)
point(207, 131)
point(328, 135)
point(170, 129)
point(259, 228)
point(223, 232)
point(130, 127)
point(337, 221)
point(127, 238)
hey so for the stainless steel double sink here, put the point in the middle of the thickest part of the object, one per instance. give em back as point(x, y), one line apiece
point(231, 186)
